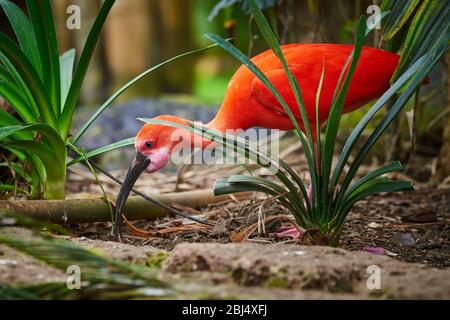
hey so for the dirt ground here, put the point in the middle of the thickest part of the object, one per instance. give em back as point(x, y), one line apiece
point(411, 229)
point(251, 270)
point(412, 226)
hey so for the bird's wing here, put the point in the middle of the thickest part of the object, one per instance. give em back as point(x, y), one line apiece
point(370, 79)
point(307, 75)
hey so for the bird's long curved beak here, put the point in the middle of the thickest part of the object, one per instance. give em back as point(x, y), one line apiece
point(140, 163)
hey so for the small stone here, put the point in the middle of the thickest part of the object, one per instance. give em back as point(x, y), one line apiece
point(390, 253)
point(430, 245)
point(404, 239)
point(374, 225)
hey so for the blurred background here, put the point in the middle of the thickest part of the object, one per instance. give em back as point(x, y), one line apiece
point(142, 33)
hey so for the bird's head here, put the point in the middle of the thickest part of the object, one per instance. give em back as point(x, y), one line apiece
point(154, 144)
point(156, 141)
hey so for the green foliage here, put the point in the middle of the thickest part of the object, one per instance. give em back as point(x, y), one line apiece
point(209, 88)
point(334, 191)
point(102, 277)
point(155, 260)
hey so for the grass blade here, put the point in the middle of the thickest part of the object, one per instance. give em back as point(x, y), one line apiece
point(235, 184)
point(12, 55)
point(44, 29)
point(335, 114)
point(104, 149)
point(7, 119)
point(82, 67)
point(242, 58)
point(395, 166)
point(13, 78)
point(400, 13)
point(272, 41)
point(37, 170)
point(106, 277)
point(11, 95)
point(318, 195)
point(66, 62)
point(44, 152)
point(382, 185)
point(24, 33)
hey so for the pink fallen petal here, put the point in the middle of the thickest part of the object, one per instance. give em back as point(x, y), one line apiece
point(288, 231)
point(375, 250)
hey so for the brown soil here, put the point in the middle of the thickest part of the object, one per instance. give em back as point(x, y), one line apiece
point(415, 225)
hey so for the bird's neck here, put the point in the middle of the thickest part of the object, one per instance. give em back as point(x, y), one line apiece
point(214, 124)
point(231, 116)
point(217, 124)
point(227, 119)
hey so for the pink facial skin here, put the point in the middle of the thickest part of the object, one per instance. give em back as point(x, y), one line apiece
point(158, 158)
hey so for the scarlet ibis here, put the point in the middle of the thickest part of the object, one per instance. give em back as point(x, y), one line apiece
point(248, 103)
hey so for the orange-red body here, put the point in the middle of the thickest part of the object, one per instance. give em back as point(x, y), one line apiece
point(248, 103)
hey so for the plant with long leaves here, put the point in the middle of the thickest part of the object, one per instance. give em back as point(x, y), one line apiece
point(334, 191)
point(43, 88)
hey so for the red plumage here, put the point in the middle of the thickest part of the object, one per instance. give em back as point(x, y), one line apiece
point(249, 103)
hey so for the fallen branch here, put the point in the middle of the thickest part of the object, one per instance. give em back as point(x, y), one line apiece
point(96, 209)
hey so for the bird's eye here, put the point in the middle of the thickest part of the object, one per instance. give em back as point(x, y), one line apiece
point(149, 144)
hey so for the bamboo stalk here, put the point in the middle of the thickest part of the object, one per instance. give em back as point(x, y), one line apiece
point(96, 209)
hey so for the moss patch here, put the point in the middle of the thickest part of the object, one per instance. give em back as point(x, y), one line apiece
point(155, 260)
point(277, 280)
